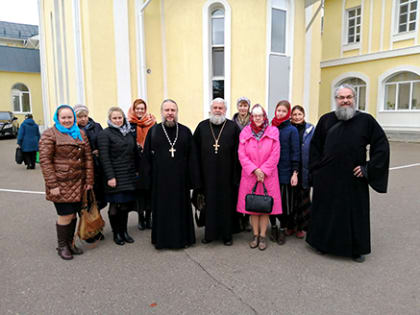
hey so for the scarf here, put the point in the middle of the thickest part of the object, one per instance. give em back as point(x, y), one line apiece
point(73, 131)
point(277, 121)
point(255, 128)
point(125, 129)
point(143, 124)
point(258, 135)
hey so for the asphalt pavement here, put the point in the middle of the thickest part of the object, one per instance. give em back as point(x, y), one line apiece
point(206, 279)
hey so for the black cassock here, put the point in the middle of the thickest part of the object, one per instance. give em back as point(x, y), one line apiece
point(220, 175)
point(170, 180)
point(340, 221)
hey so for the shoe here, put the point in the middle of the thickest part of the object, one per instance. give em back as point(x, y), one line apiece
point(262, 244)
point(113, 221)
point(142, 222)
point(204, 241)
point(255, 241)
point(282, 238)
point(63, 249)
point(289, 232)
point(70, 239)
point(274, 233)
point(300, 234)
point(359, 258)
point(228, 243)
point(123, 232)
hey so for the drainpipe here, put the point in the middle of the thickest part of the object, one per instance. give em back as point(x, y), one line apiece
point(141, 77)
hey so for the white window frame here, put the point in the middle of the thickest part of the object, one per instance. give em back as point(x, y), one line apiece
point(19, 93)
point(353, 45)
point(382, 80)
point(208, 8)
point(214, 77)
point(400, 36)
point(397, 90)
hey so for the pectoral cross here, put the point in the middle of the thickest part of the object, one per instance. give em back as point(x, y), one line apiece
point(172, 150)
point(216, 147)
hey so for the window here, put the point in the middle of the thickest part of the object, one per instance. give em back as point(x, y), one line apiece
point(218, 53)
point(21, 98)
point(402, 92)
point(360, 87)
point(354, 19)
point(278, 27)
point(407, 15)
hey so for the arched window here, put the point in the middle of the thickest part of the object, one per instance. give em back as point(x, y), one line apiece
point(218, 52)
point(402, 92)
point(360, 87)
point(21, 98)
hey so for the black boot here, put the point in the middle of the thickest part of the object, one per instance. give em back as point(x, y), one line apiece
point(142, 222)
point(124, 222)
point(114, 221)
point(70, 239)
point(274, 233)
point(63, 249)
point(148, 219)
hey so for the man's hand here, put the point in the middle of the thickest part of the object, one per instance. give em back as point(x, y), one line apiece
point(358, 171)
point(112, 182)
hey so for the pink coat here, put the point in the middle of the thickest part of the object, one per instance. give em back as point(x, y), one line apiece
point(263, 154)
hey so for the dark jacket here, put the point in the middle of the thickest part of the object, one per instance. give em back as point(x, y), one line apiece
point(289, 152)
point(28, 136)
point(92, 130)
point(305, 146)
point(119, 159)
point(65, 163)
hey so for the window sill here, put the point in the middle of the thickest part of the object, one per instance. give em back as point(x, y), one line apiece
point(348, 47)
point(397, 37)
point(393, 111)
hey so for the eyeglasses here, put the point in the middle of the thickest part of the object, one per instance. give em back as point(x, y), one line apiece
point(349, 97)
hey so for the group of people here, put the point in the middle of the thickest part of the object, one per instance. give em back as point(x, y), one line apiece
point(138, 164)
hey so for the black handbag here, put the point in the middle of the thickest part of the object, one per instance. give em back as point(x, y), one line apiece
point(259, 203)
point(19, 156)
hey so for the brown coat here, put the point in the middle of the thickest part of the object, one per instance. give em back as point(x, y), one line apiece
point(65, 163)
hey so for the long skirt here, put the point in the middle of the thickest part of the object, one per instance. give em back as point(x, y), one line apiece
point(301, 209)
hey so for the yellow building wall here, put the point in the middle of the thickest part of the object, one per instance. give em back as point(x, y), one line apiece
point(33, 82)
point(372, 69)
point(331, 37)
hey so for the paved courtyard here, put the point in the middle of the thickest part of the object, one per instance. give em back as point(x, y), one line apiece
point(203, 279)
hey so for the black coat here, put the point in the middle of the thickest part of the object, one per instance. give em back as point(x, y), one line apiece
point(119, 159)
point(92, 131)
point(340, 221)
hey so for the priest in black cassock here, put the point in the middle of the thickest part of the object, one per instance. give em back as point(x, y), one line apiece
point(170, 169)
point(217, 141)
point(341, 176)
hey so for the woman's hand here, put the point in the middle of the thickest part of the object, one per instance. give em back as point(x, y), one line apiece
point(112, 182)
point(55, 191)
point(260, 175)
point(88, 187)
point(95, 153)
point(294, 179)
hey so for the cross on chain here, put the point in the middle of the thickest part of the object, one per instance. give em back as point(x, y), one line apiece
point(216, 147)
point(172, 150)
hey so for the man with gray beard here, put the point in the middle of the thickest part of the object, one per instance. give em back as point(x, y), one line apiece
point(341, 175)
point(217, 141)
point(170, 170)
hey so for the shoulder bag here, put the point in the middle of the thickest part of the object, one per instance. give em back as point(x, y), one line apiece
point(91, 222)
point(259, 203)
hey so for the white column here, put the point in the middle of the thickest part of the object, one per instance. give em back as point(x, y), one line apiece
point(78, 52)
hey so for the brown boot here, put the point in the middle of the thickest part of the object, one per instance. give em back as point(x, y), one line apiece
point(63, 249)
point(70, 239)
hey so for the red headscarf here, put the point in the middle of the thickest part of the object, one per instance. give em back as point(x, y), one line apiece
point(254, 127)
point(277, 121)
point(143, 124)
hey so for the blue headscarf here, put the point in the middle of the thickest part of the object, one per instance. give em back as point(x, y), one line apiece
point(73, 131)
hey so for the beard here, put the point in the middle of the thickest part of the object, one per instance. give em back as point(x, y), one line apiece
point(169, 123)
point(345, 112)
point(217, 119)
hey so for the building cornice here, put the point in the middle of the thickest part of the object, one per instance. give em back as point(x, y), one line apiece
point(374, 56)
